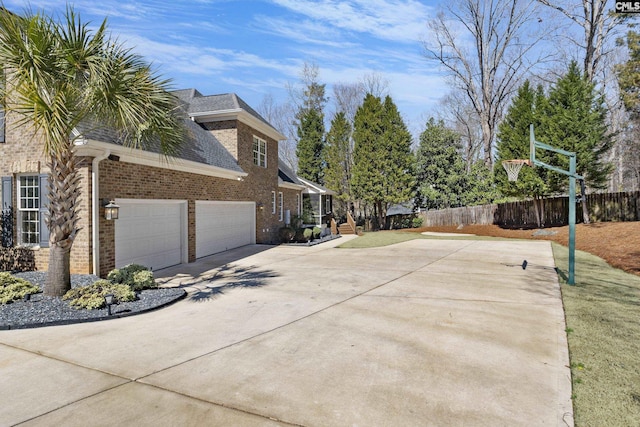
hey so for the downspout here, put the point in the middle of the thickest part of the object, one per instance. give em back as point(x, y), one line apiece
point(95, 209)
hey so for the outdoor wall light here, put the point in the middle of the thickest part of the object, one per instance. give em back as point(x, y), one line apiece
point(260, 206)
point(111, 210)
point(108, 299)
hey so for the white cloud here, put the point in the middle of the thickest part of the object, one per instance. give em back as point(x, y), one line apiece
point(396, 20)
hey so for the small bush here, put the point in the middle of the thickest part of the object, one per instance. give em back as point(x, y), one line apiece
point(316, 232)
point(13, 288)
point(136, 276)
point(92, 296)
point(287, 234)
point(416, 222)
point(308, 234)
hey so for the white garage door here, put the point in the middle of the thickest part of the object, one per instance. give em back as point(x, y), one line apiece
point(151, 233)
point(221, 226)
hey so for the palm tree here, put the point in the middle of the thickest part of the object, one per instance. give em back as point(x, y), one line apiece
point(60, 75)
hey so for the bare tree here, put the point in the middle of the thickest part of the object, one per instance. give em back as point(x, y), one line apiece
point(460, 116)
point(347, 97)
point(598, 26)
point(307, 93)
point(281, 117)
point(375, 84)
point(490, 69)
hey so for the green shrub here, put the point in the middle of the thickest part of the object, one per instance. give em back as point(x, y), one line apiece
point(287, 234)
point(13, 288)
point(416, 222)
point(137, 277)
point(92, 296)
point(308, 234)
point(316, 232)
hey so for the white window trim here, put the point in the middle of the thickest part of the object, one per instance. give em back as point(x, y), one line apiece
point(273, 202)
point(20, 211)
point(261, 153)
point(280, 206)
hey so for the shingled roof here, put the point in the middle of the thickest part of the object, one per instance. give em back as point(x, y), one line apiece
point(286, 175)
point(199, 145)
point(197, 103)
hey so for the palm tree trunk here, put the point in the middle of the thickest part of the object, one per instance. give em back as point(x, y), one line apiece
point(64, 194)
point(59, 277)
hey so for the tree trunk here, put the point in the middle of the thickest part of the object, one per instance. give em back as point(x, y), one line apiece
point(585, 208)
point(487, 142)
point(64, 194)
point(59, 277)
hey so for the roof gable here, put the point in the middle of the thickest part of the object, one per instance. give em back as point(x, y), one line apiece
point(227, 106)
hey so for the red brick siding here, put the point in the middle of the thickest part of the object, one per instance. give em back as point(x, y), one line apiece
point(22, 153)
point(125, 180)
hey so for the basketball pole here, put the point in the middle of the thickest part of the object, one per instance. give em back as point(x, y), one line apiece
point(571, 173)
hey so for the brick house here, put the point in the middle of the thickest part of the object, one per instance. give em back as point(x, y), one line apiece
point(225, 189)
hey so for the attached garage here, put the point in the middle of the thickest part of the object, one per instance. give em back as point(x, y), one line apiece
point(221, 226)
point(152, 233)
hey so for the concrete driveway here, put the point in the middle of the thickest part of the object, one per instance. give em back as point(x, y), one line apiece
point(422, 333)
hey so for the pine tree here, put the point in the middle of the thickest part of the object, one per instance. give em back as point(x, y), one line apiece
point(400, 166)
point(513, 143)
point(526, 109)
point(367, 131)
point(383, 171)
point(310, 127)
point(440, 168)
point(575, 120)
point(629, 75)
point(339, 161)
point(310, 146)
point(479, 185)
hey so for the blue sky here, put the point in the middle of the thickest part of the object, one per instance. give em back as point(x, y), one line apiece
point(254, 48)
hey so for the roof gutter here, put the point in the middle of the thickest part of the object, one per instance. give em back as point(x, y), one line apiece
point(94, 148)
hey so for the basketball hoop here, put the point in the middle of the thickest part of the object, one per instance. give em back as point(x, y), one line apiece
point(513, 168)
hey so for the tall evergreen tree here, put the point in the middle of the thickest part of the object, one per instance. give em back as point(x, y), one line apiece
point(513, 143)
point(440, 168)
point(310, 126)
point(575, 120)
point(383, 171)
point(479, 188)
point(339, 160)
point(310, 146)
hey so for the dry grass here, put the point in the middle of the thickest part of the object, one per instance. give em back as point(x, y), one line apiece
point(603, 323)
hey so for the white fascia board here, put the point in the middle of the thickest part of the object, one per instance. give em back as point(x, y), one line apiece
point(312, 189)
point(291, 186)
point(140, 157)
point(240, 115)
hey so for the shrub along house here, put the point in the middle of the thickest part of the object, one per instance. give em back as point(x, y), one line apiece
point(224, 190)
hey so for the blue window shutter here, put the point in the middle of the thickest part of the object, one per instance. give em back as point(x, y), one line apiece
point(6, 231)
point(1, 124)
point(7, 190)
point(44, 210)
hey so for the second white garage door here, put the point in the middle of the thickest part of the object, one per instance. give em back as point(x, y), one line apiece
point(151, 233)
point(221, 226)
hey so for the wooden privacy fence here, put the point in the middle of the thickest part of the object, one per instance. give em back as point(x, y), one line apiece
point(602, 207)
point(483, 214)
